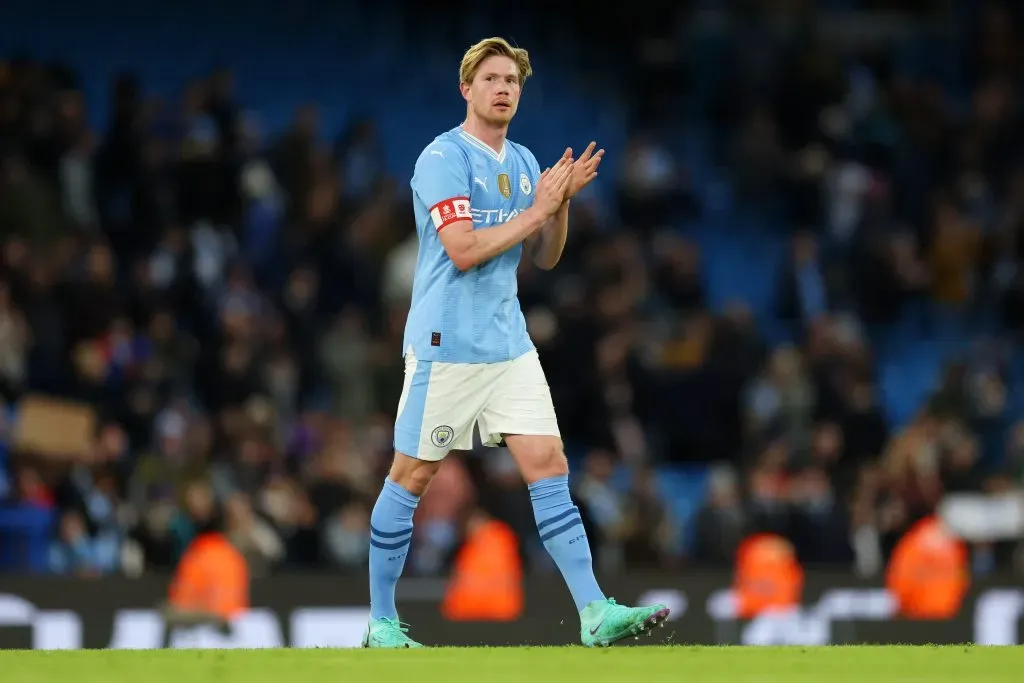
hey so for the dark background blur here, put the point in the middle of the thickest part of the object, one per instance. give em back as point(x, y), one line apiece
point(791, 302)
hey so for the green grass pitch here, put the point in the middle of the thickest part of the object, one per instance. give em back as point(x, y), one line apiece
point(959, 664)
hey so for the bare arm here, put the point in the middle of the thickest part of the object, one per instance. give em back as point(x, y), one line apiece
point(468, 248)
point(546, 245)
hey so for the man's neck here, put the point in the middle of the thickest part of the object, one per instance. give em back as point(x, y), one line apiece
point(490, 135)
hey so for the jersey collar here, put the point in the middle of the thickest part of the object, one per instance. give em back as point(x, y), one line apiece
point(477, 142)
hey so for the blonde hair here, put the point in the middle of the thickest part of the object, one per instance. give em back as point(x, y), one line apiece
point(491, 47)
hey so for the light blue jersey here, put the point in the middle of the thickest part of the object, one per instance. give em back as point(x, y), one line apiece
point(470, 317)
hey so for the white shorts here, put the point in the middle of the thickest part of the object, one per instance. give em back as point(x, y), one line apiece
point(442, 402)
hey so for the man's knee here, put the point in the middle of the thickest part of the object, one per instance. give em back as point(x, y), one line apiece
point(412, 474)
point(538, 457)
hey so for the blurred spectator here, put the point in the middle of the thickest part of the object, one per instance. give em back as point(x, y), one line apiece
point(653, 187)
point(360, 156)
point(804, 297)
point(649, 533)
point(254, 538)
point(954, 255)
point(75, 552)
point(347, 537)
point(198, 515)
point(720, 525)
point(439, 515)
point(605, 505)
point(784, 397)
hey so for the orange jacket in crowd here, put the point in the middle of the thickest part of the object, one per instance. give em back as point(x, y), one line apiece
point(929, 572)
point(212, 577)
point(487, 580)
point(768, 576)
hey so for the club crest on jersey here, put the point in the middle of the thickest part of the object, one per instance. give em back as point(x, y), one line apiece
point(505, 185)
point(524, 184)
point(441, 436)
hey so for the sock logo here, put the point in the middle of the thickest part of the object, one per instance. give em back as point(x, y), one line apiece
point(442, 436)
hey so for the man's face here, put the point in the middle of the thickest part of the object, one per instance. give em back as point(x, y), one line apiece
point(494, 92)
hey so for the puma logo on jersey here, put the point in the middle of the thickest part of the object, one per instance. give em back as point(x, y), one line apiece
point(482, 183)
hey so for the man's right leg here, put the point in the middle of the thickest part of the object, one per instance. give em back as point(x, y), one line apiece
point(436, 413)
point(390, 537)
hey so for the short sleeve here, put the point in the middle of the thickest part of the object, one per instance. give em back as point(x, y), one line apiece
point(441, 182)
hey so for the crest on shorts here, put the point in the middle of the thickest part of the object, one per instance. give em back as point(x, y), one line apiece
point(505, 185)
point(524, 184)
point(442, 436)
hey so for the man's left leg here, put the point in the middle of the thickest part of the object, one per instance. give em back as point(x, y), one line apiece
point(545, 469)
point(521, 412)
point(546, 472)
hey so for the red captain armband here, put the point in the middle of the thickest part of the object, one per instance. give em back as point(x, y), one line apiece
point(449, 211)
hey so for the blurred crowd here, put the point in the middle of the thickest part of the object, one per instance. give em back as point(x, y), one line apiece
point(231, 302)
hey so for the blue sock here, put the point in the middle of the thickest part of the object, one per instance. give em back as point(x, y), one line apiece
point(390, 535)
point(561, 531)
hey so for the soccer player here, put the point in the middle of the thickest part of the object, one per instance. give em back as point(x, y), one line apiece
point(480, 201)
